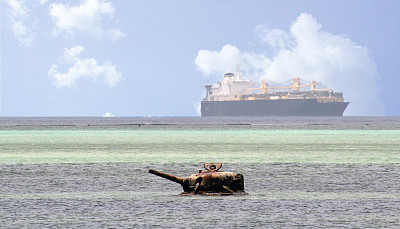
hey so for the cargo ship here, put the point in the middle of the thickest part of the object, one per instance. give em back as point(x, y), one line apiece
point(238, 97)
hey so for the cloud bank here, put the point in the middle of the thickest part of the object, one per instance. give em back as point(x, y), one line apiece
point(85, 18)
point(20, 21)
point(308, 52)
point(83, 68)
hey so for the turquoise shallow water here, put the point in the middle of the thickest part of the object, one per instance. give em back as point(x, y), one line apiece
point(325, 175)
point(183, 146)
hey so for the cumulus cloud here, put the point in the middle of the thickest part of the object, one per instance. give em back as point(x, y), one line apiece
point(21, 23)
point(308, 52)
point(83, 68)
point(85, 18)
point(275, 38)
point(212, 63)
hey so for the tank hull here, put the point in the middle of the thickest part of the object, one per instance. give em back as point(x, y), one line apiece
point(238, 193)
point(210, 182)
point(284, 107)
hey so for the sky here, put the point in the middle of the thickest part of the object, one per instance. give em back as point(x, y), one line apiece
point(149, 58)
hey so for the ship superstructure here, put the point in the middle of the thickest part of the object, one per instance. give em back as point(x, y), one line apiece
point(241, 97)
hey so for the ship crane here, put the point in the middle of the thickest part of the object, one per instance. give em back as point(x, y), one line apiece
point(263, 87)
point(295, 86)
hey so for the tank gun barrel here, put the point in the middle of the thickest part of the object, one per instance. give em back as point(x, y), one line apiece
point(167, 176)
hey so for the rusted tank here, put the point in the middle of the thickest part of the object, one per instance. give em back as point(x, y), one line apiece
point(208, 182)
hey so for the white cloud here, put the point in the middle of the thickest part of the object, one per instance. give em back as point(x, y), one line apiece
point(197, 107)
point(211, 62)
point(115, 34)
point(310, 53)
point(276, 38)
point(85, 18)
point(219, 62)
point(20, 22)
point(108, 115)
point(83, 68)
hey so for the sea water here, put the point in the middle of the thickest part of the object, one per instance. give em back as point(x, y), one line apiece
point(299, 172)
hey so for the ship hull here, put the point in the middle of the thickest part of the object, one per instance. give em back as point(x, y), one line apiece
point(286, 107)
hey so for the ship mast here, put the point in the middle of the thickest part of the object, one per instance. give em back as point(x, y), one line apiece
point(237, 73)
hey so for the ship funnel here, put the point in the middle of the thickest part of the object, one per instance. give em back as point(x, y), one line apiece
point(228, 77)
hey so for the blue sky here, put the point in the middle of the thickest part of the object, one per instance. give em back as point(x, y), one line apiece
point(148, 58)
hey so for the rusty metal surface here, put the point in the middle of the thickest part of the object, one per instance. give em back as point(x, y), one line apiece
point(209, 182)
point(212, 166)
point(167, 176)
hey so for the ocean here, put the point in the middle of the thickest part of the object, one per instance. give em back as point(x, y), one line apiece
point(88, 172)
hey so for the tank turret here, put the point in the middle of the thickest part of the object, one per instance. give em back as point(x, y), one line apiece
point(208, 182)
